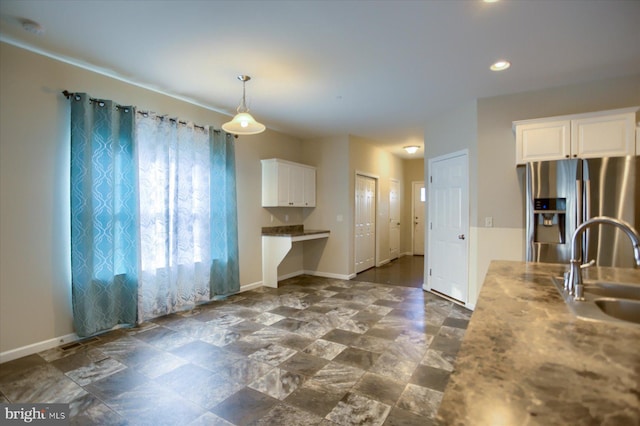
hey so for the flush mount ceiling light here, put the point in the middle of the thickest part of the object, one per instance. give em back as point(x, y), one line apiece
point(32, 26)
point(500, 65)
point(411, 149)
point(243, 123)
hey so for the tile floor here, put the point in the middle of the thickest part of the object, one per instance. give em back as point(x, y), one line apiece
point(315, 351)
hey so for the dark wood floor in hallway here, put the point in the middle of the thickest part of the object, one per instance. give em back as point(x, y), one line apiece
point(406, 271)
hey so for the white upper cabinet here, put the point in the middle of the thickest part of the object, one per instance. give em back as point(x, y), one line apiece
point(543, 141)
point(288, 184)
point(592, 135)
point(606, 136)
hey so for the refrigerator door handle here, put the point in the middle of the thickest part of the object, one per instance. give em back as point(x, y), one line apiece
point(578, 203)
point(587, 216)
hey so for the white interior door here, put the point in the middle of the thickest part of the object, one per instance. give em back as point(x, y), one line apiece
point(449, 225)
point(417, 208)
point(365, 244)
point(394, 219)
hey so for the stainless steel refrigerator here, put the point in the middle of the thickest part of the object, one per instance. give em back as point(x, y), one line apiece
point(560, 195)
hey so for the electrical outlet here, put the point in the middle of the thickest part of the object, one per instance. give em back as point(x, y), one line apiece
point(286, 218)
point(488, 222)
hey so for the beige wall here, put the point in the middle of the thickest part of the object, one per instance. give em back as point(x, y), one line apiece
point(35, 295)
point(454, 131)
point(367, 159)
point(331, 158)
point(251, 215)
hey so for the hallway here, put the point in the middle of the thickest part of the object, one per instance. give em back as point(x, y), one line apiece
point(406, 271)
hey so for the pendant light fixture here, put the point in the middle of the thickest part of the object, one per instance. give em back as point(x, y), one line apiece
point(243, 123)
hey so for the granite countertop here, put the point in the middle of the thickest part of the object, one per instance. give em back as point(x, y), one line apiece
point(290, 231)
point(525, 359)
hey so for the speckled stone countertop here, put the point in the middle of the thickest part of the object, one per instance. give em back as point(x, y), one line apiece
point(526, 360)
point(290, 231)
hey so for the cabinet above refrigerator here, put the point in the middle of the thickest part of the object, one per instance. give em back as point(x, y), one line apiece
point(592, 135)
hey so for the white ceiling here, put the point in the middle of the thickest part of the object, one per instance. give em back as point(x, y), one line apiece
point(375, 69)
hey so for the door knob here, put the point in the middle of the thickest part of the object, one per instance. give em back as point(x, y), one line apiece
point(461, 237)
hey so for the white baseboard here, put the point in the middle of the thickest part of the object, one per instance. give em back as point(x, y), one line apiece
point(383, 262)
point(316, 274)
point(34, 348)
point(330, 275)
point(252, 286)
point(290, 275)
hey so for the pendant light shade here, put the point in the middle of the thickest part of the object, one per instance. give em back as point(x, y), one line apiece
point(243, 123)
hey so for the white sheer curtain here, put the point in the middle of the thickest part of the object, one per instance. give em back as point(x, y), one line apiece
point(174, 179)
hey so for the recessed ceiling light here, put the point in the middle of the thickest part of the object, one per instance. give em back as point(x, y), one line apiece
point(500, 65)
point(490, 1)
point(411, 149)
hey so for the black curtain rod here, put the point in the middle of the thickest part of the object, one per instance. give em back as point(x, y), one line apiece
point(175, 120)
point(100, 102)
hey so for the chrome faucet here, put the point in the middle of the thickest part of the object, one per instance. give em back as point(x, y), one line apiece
point(575, 286)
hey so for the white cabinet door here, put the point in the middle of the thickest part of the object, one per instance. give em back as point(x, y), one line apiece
point(287, 184)
point(309, 187)
point(269, 183)
point(607, 136)
point(284, 184)
point(296, 186)
point(543, 141)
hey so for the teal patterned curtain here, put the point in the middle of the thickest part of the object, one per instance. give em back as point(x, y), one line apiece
point(104, 246)
point(225, 275)
point(153, 215)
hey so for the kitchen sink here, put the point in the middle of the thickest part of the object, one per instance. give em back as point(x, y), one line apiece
point(623, 309)
point(605, 301)
point(615, 290)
